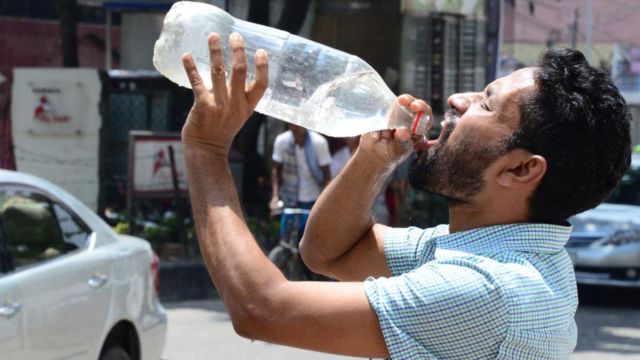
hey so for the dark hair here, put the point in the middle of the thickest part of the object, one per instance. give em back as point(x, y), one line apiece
point(578, 121)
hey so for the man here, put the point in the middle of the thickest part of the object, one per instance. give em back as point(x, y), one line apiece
point(300, 171)
point(301, 162)
point(515, 161)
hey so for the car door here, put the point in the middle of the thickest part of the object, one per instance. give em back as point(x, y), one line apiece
point(63, 281)
point(11, 316)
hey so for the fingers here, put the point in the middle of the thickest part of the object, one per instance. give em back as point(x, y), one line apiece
point(238, 64)
point(195, 80)
point(218, 77)
point(414, 105)
point(420, 108)
point(405, 99)
point(261, 82)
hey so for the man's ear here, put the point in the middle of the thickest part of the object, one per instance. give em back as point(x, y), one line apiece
point(523, 169)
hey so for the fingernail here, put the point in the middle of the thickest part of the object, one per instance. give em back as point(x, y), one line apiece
point(234, 36)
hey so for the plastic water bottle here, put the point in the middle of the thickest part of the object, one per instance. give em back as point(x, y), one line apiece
point(310, 84)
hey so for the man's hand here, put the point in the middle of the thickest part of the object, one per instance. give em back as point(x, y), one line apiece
point(218, 114)
point(388, 148)
point(274, 204)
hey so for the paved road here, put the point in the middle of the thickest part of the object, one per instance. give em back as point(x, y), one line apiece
point(608, 323)
point(202, 330)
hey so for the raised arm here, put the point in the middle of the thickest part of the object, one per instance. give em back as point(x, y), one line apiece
point(341, 239)
point(262, 304)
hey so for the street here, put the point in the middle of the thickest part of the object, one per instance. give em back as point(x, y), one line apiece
point(202, 330)
point(608, 325)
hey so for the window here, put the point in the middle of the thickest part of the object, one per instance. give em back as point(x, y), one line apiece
point(628, 191)
point(4, 252)
point(36, 229)
point(74, 233)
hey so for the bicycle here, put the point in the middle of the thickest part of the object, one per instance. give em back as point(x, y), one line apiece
point(285, 255)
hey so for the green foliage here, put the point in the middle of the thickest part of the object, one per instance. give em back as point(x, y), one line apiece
point(122, 228)
point(266, 233)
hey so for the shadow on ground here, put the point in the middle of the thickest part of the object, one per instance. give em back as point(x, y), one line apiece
point(608, 320)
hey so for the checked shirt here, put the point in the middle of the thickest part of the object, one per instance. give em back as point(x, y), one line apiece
point(499, 292)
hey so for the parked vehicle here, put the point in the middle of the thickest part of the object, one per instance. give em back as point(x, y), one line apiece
point(71, 288)
point(605, 242)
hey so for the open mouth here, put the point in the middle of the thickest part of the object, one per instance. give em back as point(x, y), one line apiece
point(447, 125)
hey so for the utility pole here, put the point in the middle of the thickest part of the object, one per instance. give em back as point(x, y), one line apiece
point(588, 30)
point(574, 29)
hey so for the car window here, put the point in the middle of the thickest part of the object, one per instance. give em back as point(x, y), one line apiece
point(74, 232)
point(4, 254)
point(628, 192)
point(31, 229)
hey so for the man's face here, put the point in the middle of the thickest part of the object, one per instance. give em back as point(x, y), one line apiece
point(299, 133)
point(475, 133)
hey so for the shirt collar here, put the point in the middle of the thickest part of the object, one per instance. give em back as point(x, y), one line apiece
point(524, 237)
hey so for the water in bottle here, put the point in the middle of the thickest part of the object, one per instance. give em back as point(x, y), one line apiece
point(310, 84)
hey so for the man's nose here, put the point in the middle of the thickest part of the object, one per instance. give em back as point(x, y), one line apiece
point(462, 101)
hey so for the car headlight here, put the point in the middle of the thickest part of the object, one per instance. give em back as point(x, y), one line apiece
point(620, 237)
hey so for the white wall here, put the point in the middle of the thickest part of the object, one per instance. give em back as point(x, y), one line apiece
point(64, 149)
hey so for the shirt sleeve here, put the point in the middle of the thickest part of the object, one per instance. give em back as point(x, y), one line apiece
point(450, 310)
point(408, 248)
point(322, 151)
point(278, 149)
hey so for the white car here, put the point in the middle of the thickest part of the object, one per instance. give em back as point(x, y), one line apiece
point(71, 288)
point(605, 241)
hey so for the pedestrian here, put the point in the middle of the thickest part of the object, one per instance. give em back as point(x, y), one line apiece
point(301, 160)
point(515, 161)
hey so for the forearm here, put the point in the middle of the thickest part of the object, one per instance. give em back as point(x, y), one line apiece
point(276, 180)
point(342, 214)
point(237, 266)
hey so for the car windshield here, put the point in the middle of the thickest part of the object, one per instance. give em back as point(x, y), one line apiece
point(628, 192)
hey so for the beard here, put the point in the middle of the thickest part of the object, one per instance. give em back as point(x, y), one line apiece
point(454, 171)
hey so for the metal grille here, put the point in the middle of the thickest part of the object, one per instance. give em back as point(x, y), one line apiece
point(134, 104)
point(468, 56)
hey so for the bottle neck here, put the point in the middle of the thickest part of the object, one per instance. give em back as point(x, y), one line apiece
point(401, 117)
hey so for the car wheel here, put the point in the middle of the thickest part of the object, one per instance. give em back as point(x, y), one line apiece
point(114, 353)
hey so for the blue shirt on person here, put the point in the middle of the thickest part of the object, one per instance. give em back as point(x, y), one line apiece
point(498, 292)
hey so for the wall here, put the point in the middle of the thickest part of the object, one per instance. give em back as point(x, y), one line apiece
point(140, 32)
point(63, 145)
point(27, 42)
